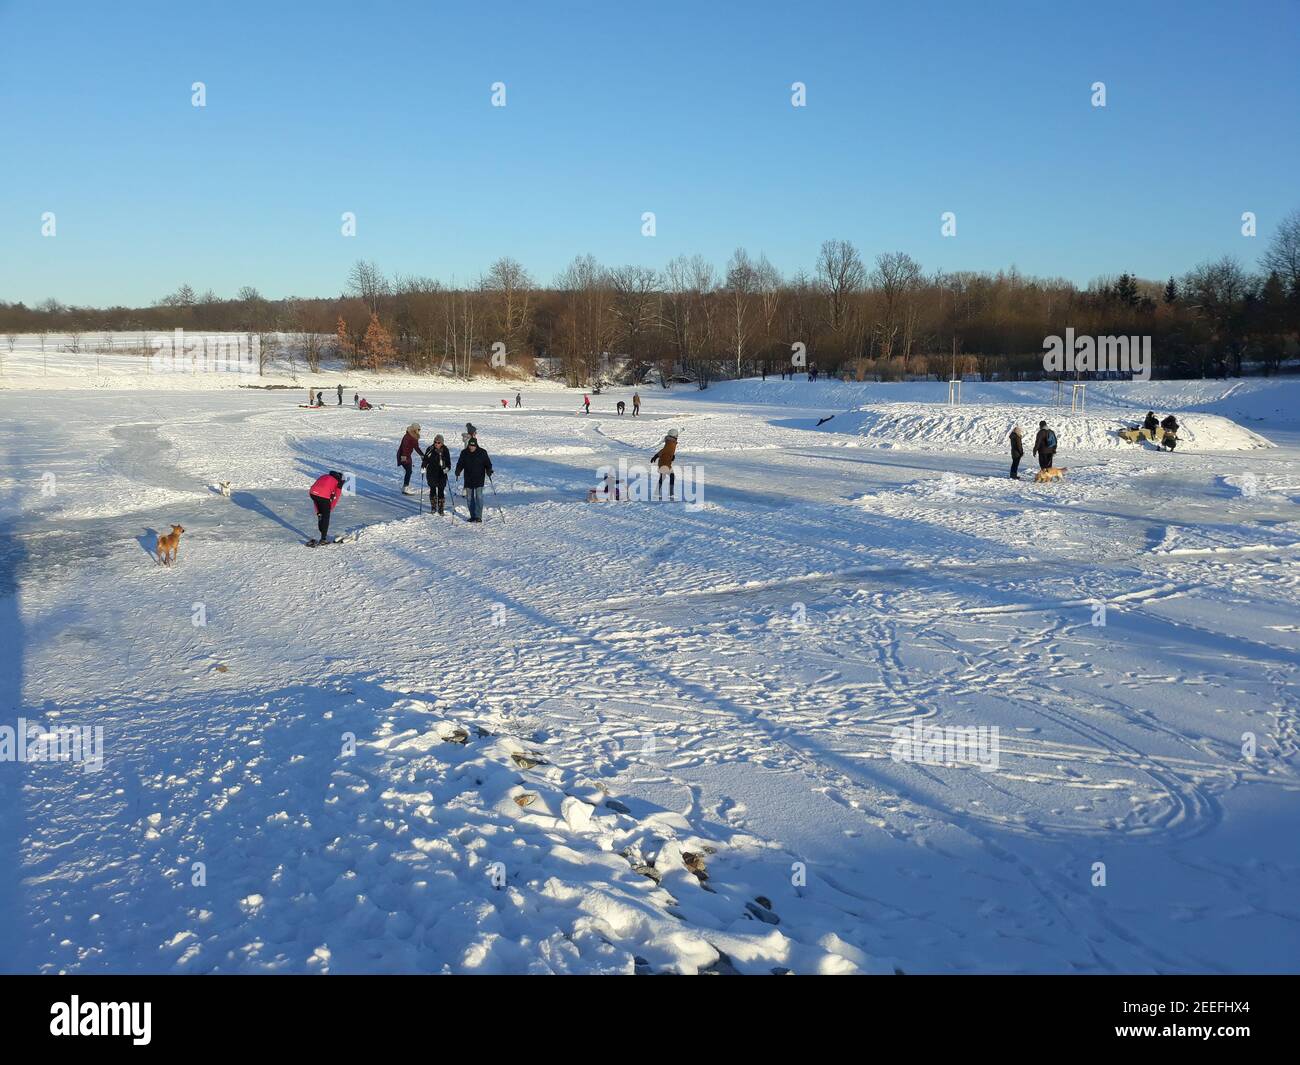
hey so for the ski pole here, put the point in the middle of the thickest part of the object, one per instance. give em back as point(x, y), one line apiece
point(494, 498)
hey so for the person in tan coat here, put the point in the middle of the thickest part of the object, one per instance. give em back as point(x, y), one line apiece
point(663, 458)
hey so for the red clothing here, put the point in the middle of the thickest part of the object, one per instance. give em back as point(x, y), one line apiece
point(407, 446)
point(327, 487)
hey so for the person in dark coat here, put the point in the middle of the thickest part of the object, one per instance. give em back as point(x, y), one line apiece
point(340, 395)
point(437, 464)
point(410, 442)
point(1017, 452)
point(1170, 427)
point(1045, 446)
point(1151, 423)
point(476, 466)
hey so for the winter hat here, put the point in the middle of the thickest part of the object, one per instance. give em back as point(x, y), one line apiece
point(671, 434)
point(337, 476)
point(1042, 425)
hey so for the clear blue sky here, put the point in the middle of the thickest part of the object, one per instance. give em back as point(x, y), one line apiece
point(613, 109)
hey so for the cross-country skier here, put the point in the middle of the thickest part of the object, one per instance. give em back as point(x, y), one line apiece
point(1045, 446)
point(1017, 452)
point(325, 494)
point(663, 458)
point(410, 442)
point(476, 466)
point(437, 463)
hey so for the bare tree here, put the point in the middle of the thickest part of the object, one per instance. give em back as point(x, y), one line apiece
point(634, 308)
point(511, 294)
point(367, 283)
point(1283, 255)
point(840, 274)
point(740, 289)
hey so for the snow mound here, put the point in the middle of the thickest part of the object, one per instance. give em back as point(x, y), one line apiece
point(931, 426)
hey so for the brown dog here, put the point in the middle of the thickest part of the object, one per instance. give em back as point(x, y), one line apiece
point(1052, 473)
point(168, 544)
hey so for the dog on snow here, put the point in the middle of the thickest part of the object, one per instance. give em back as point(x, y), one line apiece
point(167, 545)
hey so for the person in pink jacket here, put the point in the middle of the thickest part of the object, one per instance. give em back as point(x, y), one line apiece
point(325, 494)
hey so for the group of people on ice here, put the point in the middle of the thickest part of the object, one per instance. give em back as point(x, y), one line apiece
point(473, 464)
point(1163, 431)
point(1044, 448)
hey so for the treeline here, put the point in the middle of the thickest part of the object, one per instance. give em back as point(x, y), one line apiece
point(886, 319)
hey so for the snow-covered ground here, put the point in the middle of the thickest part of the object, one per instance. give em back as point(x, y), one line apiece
point(644, 737)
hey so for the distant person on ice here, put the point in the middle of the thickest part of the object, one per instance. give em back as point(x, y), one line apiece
point(340, 395)
point(1045, 446)
point(519, 400)
point(663, 458)
point(469, 434)
point(636, 404)
point(620, 406)
point(325, 494)
point(1017, 452)
point(437, 464)
point(586, 403)
point(1151, 423)
point(476, 466)
point(410, 442)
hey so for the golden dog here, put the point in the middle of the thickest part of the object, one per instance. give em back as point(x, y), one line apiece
point(168, 544)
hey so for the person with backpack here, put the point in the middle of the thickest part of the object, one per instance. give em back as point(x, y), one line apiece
point(325, 493)
point(410, 442)
point(1017, 452)
point(437, 464)
point(1045, 446)
point(476, 467)
point(663, 459)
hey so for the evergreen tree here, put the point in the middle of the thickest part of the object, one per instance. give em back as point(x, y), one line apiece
point(1171, 291)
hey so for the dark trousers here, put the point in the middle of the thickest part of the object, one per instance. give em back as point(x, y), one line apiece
point(1045, 459)
point(1016, 456)
point(437, 488)
point(406, 480)
point(667, 471)
point(322, 515)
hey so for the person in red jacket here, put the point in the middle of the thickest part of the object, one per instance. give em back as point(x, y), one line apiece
point(325, 494)
point(410, 442)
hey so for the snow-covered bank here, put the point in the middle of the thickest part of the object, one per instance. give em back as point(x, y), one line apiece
point(311, 756)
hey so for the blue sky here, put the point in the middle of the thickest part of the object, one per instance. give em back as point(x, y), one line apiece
point(383, 109)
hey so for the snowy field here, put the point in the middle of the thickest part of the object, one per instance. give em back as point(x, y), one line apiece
point(645, 737)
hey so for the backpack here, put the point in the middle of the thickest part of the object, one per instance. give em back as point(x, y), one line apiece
point(1051, 440)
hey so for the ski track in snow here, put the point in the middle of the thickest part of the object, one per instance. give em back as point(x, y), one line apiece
point(652, 681)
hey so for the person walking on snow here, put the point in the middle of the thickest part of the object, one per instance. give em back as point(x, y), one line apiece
point(476, 466)
point(437, 463)
point(340, 395)
point(1045, 446)
point(663, 458)
point(586, 403)
point(410, 442)
point(636, 404)
point(1017, 452)
point(519, 399)
point(469, 434)
point(325, 493)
